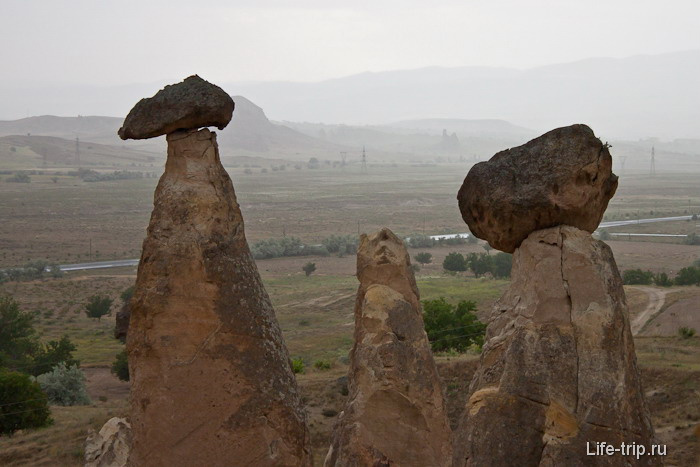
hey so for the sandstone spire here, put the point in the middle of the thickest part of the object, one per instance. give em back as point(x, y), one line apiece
point(395, 415)
point(558, 372)
point(211, 380)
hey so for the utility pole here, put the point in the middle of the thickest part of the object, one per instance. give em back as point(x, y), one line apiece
point(622, 163)
point(652, 169)
point(77, 151)
point(343, 157)
point(364, 161)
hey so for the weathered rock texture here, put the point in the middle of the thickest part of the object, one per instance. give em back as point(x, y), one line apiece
point(211, 379)
point(564, 177)
point(121, 322)
point(110, 446)
point(558, 368)
point(395, 414)
point(194, 103)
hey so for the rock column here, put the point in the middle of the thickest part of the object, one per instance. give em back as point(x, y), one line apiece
point(558, 377)
point(395, 415)
point(211, 379)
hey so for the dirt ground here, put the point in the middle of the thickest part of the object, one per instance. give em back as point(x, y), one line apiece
point(683, 313)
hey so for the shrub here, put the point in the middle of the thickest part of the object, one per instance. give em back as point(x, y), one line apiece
point(454, 262)
point(421, 241)
point(637, 277)
point(452, 327)
point(24, 405)
point(19, 177)
point(458, 240)
point(322, 365)
point(692, 239)
point(688, 276)
point(298, 365)
point(98, 306)
point(341, 244)
point(120, 366)
point(309, 268)
point(424, 257)
point(64, 385)
point(685, 332)
point(662, 280)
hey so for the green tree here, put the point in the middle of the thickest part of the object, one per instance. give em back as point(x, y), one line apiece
point(637, 277)
point(24, 405)
point(479, 263)
point(692, 239)
point(686, 332)
point(120, 366)
point(604, 235)
point(452, 327)
point(53, 353)
point(98, 306)
point(127, 294)
point(488, 248)
point(501, 265)
point(423, 257)
point(471, 239)
point(18, 339)
point(309, 268)
point(688, 276)
point(454, 262)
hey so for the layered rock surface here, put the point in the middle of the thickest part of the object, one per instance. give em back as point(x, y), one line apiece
point(395, 415)
point(110, 446)
point(558, 369)
point(191, 104)
point(563, 177)
point(211, 379)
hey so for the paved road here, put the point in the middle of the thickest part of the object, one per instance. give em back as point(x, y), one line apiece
point(133, 262)
point(603, 225)
point(117, 263)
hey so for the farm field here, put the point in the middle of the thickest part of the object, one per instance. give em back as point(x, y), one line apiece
point(63, 219)
point(67, 220)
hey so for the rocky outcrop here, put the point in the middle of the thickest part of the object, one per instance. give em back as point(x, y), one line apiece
point(194, 103)
point(211, 379)
point(395, 415)
point(564, 177)
point(558, 372)
point(121, 322)
point(110, 446)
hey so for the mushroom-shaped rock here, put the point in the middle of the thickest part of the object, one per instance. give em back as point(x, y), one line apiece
point(563, 177)
point(395, 415)
point(191, 104)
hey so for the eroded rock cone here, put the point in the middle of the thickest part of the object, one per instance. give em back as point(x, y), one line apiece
point(193, 103)
point(558, 368)
point(211, 379)
point(395, 415)
point(564, 177)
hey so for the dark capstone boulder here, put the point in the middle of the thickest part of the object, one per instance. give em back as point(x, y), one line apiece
point(192, 104)
point(564, 177)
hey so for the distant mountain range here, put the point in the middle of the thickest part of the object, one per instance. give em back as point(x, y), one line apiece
point(630, 98)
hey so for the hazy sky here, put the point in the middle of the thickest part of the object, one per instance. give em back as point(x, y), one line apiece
point(119, 42)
